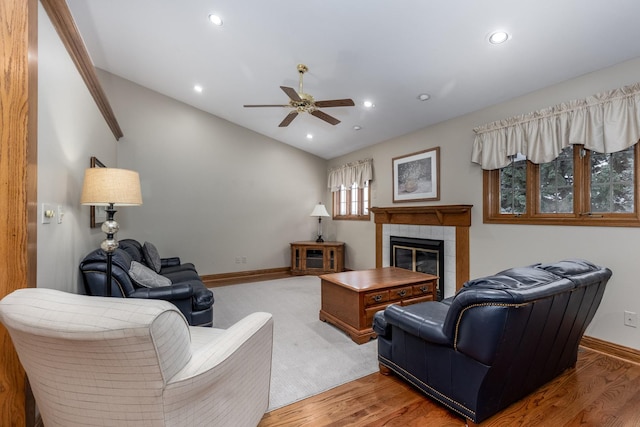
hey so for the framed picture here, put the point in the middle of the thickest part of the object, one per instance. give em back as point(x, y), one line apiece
point(416, 176)
point(98, 213)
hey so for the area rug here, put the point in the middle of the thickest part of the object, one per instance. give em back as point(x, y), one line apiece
point(309, 356)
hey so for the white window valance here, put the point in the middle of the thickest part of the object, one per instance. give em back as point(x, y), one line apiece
point(606, 122)
point(359, 172)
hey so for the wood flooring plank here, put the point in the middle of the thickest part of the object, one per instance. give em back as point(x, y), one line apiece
point(600, 391)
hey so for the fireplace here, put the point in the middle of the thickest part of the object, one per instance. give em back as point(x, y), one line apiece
point(421, 255)
point(450, 223)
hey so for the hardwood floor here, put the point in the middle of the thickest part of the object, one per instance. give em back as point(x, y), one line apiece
point(601, 391)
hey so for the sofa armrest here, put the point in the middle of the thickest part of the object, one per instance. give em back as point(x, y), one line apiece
point(169, 262)
point(176, 291)
point(424, 320)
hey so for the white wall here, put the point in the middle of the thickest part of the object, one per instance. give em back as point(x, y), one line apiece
point(496, 247)
point(212, 191)
point(70, 131)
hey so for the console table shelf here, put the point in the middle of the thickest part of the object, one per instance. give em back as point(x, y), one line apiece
point(317, 257)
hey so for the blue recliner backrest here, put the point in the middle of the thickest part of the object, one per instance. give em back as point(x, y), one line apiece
point(133, 248)
point(492, 306)
point(94, 268)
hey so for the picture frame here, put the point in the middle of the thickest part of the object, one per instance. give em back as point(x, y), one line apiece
point(416, 176)
point(98, 214)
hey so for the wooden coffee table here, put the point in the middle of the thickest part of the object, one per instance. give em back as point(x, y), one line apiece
point(350, 299)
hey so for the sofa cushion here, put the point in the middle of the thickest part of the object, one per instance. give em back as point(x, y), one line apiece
point(133, 248)
point(152, 256)
point(181, 275)
point(144, 276)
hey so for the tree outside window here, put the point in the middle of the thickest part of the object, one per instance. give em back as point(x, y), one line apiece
point(579, 187)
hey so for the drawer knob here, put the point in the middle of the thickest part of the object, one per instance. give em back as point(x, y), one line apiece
point(377, 298)
point(423, 289)
point(402, 293)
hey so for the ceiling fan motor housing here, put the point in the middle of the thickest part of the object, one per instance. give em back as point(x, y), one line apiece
point(305, 105)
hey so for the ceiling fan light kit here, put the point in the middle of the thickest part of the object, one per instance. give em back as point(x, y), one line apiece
point(301, 102)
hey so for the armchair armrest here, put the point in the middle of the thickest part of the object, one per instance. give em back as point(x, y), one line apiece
point(234, 362)
point(425, 320)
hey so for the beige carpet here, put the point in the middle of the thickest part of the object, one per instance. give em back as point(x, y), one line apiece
point(309, 356)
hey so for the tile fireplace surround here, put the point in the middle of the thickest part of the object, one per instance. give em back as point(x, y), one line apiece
point(448, 222)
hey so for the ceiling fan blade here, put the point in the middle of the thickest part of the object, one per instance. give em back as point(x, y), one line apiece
point(335, 103)
point(292, 115)
point(268, 105)
point(324, 116)
point(291, 93)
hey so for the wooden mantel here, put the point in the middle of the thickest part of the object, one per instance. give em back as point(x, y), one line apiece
point(458, 216)
point(447, 215)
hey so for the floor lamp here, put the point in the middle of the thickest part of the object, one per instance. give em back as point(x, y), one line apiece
point(319, 210)
point(110, 187)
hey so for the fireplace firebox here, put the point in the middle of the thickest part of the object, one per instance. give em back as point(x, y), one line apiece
point(421, 255)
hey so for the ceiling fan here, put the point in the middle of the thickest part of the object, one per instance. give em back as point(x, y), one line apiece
point(302, 102)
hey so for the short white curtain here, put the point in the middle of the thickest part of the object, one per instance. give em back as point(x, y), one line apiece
point(606, 123)
point(358, 172)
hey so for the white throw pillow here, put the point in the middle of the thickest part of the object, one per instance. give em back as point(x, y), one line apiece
point(144, 276)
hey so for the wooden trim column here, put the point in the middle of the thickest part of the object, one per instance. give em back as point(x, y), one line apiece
point(458, 216)
point(18, 186)
point(62, 20)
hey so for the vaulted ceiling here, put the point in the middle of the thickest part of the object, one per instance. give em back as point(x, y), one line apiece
point(381, 51)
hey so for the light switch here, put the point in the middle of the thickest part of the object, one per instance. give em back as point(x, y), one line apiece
point(60, 214)
point(48, 212)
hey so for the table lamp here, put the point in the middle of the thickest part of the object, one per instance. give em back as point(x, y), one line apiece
point(319, 210)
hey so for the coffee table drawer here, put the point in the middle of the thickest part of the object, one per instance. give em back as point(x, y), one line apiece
point(423, 289)
point(373, 298)
point(371, 311)
point(400, 293)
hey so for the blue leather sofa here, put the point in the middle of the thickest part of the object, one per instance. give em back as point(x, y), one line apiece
point(186, 291)
point(497, 340)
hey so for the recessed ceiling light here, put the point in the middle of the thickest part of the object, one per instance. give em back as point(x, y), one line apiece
point(357, 127)
point(215, 19)
point(498, 37)
point(424, 97)
point(309, 136)
point(197, 88)
point(368, 104)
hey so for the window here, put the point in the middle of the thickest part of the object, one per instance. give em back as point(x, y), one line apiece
point(351, 203)
point(579, 187)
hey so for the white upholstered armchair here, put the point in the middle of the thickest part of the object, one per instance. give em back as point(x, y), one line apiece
point(116, 362)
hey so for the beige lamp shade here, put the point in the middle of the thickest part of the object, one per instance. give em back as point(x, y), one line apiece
point(319, 210)
point(103, 186)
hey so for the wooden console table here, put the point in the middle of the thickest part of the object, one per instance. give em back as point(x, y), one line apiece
point(317, 257)
point(350, 299)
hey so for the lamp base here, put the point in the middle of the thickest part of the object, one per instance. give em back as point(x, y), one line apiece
point(319, 239)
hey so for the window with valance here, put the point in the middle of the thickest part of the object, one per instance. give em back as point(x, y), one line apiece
point(573, 163)
point(349, 185)
point(345, 175)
